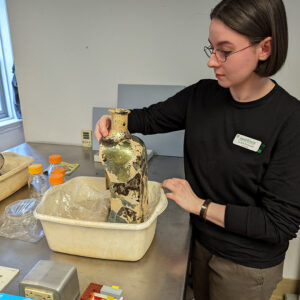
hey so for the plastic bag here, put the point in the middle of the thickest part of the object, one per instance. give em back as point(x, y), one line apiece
point(81, 201)
point(85, 199)
point(18, 221)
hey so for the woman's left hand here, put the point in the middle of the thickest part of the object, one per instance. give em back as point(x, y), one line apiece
point(182, 193)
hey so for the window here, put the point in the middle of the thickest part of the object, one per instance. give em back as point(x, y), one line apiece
point(7, 111)
point(3, 107)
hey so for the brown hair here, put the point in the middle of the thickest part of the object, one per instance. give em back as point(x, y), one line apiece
point(258, 19)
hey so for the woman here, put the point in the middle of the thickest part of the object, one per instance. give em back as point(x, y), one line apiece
point(241, 153)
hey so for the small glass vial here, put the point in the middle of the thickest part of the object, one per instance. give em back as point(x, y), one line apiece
point(37, 181)
point(55, 162)
point(55, 179)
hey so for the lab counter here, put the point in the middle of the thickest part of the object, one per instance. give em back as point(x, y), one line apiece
point(160, 274)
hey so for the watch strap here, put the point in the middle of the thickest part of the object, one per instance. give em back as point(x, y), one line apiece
point(203, 210)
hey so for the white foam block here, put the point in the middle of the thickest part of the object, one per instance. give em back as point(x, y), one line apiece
point(6, 276)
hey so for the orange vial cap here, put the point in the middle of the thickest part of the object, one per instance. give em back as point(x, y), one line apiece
point(59, 171)
point(55, 179)
point(55, 159)
point(35, 169)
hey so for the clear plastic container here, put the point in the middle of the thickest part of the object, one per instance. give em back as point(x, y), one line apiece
point(38, 181)
point(55, 162)
point(18, 221)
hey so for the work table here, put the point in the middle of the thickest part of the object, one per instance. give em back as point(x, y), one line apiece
point(160, 274)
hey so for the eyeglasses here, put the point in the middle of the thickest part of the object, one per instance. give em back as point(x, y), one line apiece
point(222, 55)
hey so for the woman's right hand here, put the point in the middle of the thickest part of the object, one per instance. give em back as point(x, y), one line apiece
point(102, 127)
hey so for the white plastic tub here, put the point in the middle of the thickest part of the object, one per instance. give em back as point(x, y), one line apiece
point(15, 173)
point(116, 241)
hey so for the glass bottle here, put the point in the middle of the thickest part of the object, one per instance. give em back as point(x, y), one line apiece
point(124, 157)
point(55, 162)
point(37, 181)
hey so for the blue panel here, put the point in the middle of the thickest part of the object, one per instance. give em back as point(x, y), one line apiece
point(137, 96)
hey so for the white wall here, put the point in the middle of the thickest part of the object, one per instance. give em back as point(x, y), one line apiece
point(71, 54)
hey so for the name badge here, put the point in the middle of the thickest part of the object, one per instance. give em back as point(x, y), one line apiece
point(247, 142)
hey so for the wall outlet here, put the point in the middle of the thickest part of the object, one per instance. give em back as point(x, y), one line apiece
point(86, 138)
point(38, 294)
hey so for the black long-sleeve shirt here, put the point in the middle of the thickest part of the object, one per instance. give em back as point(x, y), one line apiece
point(261, 188)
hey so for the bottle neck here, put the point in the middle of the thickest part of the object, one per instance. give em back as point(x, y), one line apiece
point(119, 122)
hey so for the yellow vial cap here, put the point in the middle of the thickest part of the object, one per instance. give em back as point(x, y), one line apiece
point(35, 169)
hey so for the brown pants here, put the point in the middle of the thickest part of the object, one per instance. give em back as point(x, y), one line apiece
point(216, 278)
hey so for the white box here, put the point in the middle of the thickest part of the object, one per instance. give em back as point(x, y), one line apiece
point(15, 173)
point(116, 241)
